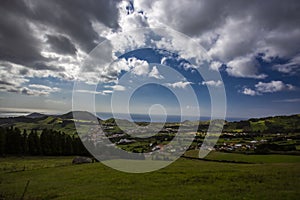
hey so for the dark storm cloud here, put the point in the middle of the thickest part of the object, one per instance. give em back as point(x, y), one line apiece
point(45, 66)
point(24, 24)
point(234, 32)
point(17, 44)
point(5, 83)
point(73, 18)
point(195, 17)
point(61, 44)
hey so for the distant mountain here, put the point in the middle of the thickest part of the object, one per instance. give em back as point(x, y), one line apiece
point(81, 115)
point(35, 115)
point(65, 123)
point(38, 121)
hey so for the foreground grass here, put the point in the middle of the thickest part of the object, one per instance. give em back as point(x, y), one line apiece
point(15, 164)
point(184, 179)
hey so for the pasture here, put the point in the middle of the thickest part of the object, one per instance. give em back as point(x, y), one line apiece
point(57, 178)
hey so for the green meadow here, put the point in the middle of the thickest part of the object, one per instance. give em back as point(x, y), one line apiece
point(237, 157)
point(57, 178)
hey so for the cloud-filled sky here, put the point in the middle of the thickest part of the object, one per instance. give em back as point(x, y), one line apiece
point(255, 45)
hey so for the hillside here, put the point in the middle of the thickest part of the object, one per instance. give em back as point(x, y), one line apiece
point(38, 121)
point(65, 123)
point(276, 124)
point(35, 115)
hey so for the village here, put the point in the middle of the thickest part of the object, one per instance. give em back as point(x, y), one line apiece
point(162, 142)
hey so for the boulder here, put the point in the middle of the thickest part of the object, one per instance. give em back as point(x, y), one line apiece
point(81, 160)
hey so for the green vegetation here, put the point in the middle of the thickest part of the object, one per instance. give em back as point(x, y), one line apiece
point(48, 143)
point(63, 123)
point(236, 157)
point(184, 179)
point(16, 164)
point(259, 165)
point(278, 124)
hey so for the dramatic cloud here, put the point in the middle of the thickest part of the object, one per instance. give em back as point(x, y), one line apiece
point(233, 30)
point(271, 87)
point(244, 67)
point(20, 19)
point(34, 90)
point(51, 38)
point(61, 44)
point(292, 67)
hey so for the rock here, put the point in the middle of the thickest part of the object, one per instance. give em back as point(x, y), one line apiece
point(81, 160)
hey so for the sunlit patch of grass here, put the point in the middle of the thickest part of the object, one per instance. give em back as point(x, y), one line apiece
point(183, 179)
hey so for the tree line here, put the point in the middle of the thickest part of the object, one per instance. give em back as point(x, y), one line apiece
point(13, 141)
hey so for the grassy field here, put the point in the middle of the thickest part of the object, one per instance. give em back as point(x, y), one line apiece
point(273, 158)
point(56, 178)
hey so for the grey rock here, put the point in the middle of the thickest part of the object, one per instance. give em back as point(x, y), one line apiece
point(81, 160)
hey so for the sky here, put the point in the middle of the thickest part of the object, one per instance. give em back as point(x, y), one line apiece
point(249, 49)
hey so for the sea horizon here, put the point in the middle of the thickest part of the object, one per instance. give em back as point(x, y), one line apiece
point(136, 117)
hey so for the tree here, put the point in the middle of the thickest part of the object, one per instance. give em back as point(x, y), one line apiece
point(68, 147)
point(33, 143)
point(24, 142)
point(45, 142)
point(2, 141)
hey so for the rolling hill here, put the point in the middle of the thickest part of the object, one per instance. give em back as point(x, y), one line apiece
point(65, 123)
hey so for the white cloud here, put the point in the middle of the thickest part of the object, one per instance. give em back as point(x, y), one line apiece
point(270, 87)
point(296, 100)
point(232, 31)
point(248, 91)
point(180, 84)
point(155, 73)
point(273, 86)
point(138, 67)
point(245, 67)
point(116, 87)
point(292, 67)
point(13, 77)
point(55, 102)
point(111, 72)
point(215, 65)
point(130, 20)
point(212, 83)
point(43, 87)
point(28, 91)
point(39, 90)
point(104, 92)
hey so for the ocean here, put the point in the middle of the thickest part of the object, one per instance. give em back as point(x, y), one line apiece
point(160, 118)
point(135, 117)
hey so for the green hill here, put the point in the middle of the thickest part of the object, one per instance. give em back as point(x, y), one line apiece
point(277, 124)
point(37, 121)
point(65, 123)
